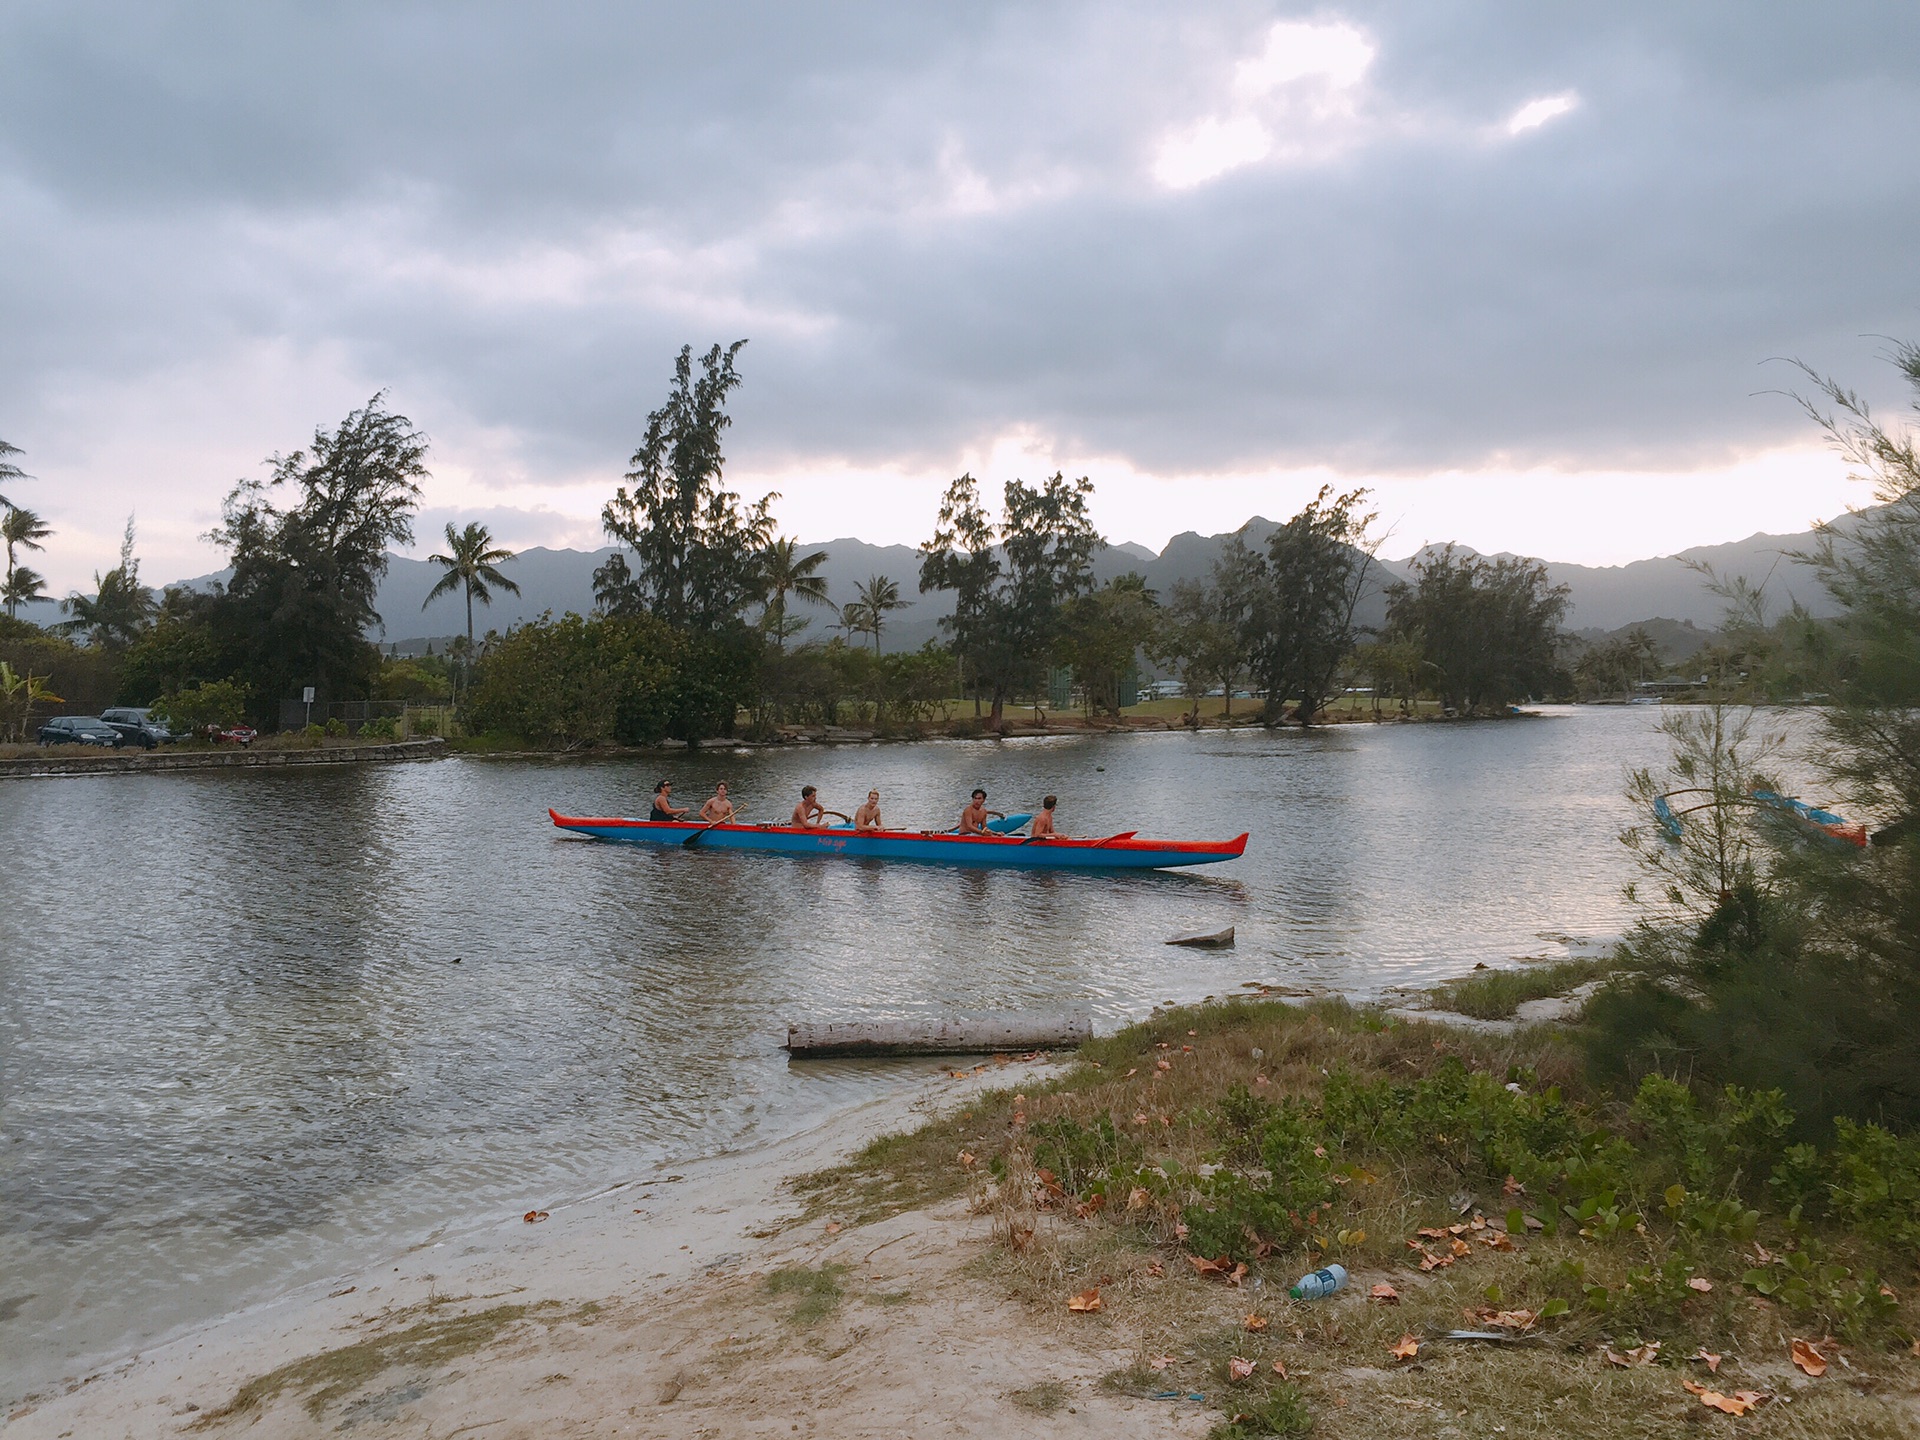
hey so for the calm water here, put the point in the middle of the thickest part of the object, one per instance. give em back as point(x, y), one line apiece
point(235, 1053)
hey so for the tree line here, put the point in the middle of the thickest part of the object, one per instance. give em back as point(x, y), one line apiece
point(702, 612)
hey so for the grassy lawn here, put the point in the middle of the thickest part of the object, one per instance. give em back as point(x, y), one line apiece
point(1187, 1170)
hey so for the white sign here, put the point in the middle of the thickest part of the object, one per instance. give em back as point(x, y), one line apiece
point(306, 696)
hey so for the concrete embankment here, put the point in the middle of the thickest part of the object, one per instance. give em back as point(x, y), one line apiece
point(141, 762)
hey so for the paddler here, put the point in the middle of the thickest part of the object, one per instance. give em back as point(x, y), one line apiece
point(973, 819)
point(719, 809)
point(663, 806)
point(1042, 826)
point(808, 810)
point(867, 817)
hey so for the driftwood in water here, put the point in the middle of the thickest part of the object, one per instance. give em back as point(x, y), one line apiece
point(983, 1035)
point(1218, 940)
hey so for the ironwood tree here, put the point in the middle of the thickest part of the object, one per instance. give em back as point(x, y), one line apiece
point(1489, 629)
point(693, 550)
point(1011, 580)
point(308, 546)
point(1294, 603)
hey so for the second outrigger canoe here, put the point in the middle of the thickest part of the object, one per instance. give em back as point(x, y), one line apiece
point(1115, 852)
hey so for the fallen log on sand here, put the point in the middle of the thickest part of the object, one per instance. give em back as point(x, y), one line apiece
point(1217, 940)
point(979, 1035)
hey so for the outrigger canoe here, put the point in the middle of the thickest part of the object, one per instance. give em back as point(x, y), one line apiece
point(1817, 821)
point(1116, 852)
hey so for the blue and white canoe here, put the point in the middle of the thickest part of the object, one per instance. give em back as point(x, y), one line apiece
point(1125, 851)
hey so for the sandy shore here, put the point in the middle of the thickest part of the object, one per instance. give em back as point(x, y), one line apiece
point(641, 1311)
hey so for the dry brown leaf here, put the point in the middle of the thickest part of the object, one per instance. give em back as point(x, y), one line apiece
point(1914, 1349)
point(1614, 1357)
point(1431, 1234)
point(1497, 1240)
point(1405, 1348)
point(1513, 1187)
point(1712, 1360)
point(1155, 1270)
point(1888, 1291)
point(1239, 1369)
point(1086, 1302)
point(966, 1159)
point(1255, 1323)
point(1761, 1254)
point(1193, 1034)
point(1460, 1249)
point(1280, 1368)
point(1138, 1197)
point(1237, 1274)
point(1319, 1152)
point(1159, 1362)
point(1736, 1404)
point(1534, 1222)
point(1479, 1221)
point(1435, 1262)
point(1808, 1358)
point(1384, 1293)
point(1511, 1319)
point(1131, 1073)
point(534, 1217)
point(1700, 1283)
point(833, 1227)
point(1259, 1079)
point(1163, 1065)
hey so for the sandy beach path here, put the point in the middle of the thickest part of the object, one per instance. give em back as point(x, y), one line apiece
point(644, 1311)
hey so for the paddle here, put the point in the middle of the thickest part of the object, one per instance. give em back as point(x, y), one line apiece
point(1123, 835)
point(695, 837)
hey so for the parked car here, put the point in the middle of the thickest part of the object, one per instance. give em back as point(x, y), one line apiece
point(136, 726)
point(79, 730)
point(232, 734)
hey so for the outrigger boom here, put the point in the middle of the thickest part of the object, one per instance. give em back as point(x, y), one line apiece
point(1116, 852)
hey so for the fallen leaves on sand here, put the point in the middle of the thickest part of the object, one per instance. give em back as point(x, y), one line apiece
point(1406, 1347)
point(1239, 1369)
point(1086, 1302)
point(1255, 1323)
point(1737, 1403)
point(534, 1217)
point(1808, 1358)
point(1639, 1355)
point(1498, 1240)
point(1384, 1294)
point(1711, 1360)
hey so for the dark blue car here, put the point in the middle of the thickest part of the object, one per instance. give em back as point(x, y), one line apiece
point(79, 730)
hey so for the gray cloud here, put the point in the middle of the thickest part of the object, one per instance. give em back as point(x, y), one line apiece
point(939, 222)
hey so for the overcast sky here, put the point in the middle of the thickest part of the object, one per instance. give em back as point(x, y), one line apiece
point(1519, 267)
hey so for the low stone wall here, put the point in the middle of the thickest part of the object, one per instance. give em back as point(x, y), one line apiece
point(141, 762)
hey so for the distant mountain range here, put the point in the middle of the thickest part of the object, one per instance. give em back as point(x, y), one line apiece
point(1604, 598)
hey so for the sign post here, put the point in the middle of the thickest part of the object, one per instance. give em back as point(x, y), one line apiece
point(306, 697)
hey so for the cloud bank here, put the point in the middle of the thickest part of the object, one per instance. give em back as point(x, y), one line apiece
point(1243, 242)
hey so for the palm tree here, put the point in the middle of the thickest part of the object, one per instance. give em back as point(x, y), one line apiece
point(120, 605)
point(873, 600)
point(9, 471)
point(470, 567)
point(785, 571)
point(21, 530)
point(24, 586)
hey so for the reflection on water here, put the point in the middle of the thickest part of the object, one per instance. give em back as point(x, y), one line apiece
point(257, 1027)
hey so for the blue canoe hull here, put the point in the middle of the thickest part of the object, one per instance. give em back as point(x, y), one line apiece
point(988, 851)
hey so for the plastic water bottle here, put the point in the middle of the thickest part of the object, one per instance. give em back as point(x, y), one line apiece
point(1320, 1284)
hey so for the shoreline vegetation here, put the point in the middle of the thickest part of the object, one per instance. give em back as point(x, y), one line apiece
point(1113, 1236)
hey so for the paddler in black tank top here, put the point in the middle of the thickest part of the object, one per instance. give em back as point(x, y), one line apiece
point(663, 807)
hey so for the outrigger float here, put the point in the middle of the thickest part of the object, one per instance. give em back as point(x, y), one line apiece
point(1125, 851)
